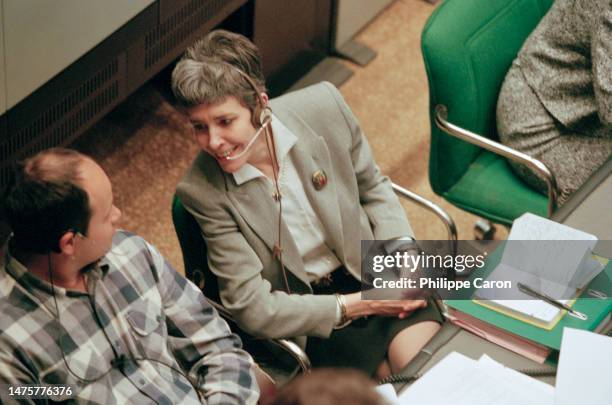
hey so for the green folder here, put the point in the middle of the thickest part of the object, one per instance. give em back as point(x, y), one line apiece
point(598, 310)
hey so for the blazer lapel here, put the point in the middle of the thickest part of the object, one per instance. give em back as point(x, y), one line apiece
point(309, 155)
point(254, 201)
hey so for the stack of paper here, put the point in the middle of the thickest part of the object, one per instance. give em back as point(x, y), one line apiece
point(459, 380)
point(583, 377)
point(518, 344)
point(549, 257)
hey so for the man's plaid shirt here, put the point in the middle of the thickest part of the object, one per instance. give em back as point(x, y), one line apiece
point(151, 314)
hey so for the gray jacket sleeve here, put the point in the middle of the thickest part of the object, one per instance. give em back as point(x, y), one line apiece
point(601, 55)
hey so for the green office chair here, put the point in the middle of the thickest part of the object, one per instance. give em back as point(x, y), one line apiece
point(468, 46)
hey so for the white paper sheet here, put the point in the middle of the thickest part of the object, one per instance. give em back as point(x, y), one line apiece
point(542, 392)
point(459, 380)
point(585, 369)
point(530, 249)
point(387, 392)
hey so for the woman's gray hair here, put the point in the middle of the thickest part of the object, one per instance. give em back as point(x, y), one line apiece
point(214, 68)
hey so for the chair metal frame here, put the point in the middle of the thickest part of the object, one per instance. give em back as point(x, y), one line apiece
point(441, 119)
point(447, 220)
point(289, 346)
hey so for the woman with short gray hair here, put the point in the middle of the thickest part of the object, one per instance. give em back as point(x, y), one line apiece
point(284, 191)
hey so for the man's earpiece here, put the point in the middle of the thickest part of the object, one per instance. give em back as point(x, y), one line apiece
point(64, 238)
point(76, 232)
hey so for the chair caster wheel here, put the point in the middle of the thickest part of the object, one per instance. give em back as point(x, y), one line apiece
point(484, 230)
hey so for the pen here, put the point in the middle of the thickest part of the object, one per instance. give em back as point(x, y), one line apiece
point(530, 291)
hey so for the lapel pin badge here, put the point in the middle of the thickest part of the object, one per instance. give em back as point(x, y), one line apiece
point(319, 179)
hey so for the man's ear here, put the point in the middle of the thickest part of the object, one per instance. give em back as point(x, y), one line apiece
point(67, 243)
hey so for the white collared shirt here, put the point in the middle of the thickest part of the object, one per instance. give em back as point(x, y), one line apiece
point(304, 225)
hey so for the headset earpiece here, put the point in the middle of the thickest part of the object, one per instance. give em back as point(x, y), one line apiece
point(266, 113)
point(76, 232)
point(265, 116)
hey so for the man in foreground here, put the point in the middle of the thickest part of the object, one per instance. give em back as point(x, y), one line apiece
point(100, 310)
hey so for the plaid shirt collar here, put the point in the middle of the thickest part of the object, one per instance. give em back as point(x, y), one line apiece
point(30, 282)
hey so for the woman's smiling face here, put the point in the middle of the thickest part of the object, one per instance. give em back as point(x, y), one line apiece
point(223, 130)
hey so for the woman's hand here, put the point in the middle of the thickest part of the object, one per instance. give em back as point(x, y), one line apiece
point(399, 308)
point(356, 307)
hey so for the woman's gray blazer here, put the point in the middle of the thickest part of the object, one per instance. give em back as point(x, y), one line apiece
point(239, 222)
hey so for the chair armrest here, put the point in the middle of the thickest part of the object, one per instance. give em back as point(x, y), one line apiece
point(290, 347)
point(441, 115)
point(296, 352)
point(446, 219)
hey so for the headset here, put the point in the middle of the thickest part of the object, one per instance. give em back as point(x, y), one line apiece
point(265, 119)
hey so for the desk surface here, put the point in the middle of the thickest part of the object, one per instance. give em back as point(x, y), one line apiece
point(590, 208)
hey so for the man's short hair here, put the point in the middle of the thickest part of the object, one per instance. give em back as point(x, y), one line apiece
point(45, 200)
point(213, 68)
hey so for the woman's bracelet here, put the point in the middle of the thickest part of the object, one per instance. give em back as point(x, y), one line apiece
point(344, 320)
